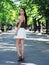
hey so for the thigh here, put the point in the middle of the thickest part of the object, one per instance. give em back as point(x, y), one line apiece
point(22, 41)
point(17, 40)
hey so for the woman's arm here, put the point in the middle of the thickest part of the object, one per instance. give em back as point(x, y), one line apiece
point(20, 21)
point(19, 25)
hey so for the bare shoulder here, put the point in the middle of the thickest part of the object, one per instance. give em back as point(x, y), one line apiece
point(22, 18)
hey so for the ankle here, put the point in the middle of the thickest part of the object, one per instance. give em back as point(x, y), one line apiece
point(22, 56)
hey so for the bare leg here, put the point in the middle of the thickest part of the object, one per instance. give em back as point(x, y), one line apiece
point(17, 46)
point(22, 45)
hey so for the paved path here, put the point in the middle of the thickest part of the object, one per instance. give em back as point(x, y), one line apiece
point(36, 51)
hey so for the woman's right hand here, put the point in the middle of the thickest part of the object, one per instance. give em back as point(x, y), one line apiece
point(15, 33)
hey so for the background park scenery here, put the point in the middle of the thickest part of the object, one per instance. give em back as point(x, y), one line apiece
point(37, 13)
point(36, 45)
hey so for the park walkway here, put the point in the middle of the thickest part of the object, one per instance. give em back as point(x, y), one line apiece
point(36, 49)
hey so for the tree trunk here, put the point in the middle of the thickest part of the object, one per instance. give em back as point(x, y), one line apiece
point(47, 21)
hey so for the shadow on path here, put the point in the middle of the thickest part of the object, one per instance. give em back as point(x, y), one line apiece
point(36, 52)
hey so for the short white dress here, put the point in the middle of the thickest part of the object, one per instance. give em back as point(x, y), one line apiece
point(21, 33)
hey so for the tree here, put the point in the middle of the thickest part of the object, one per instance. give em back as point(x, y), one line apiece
point(37, 8)
point(8, 12)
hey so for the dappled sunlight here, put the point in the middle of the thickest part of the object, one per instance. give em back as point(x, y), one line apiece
point(28, 45)
point(2, 43)
point(4, 48)
point(28, 64)
point(39, 34)
point(8, 49)
point(9, 32)
point(37, 39)
point(7, 46)
point(11, 62)
point(45, 50)
point(36, 49)
point(4, 37)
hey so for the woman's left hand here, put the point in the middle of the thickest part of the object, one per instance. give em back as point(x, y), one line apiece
point(16, 33)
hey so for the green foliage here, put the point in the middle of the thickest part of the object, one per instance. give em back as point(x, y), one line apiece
point(8, 12)
point(35, 8)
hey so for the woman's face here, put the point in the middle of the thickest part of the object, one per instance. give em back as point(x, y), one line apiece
point(21, 12)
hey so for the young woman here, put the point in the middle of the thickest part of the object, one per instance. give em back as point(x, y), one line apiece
point(20, 34)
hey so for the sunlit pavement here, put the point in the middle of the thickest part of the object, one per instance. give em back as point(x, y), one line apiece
point(36, 49)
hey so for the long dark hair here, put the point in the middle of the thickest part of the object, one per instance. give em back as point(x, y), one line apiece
point(25, 17)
